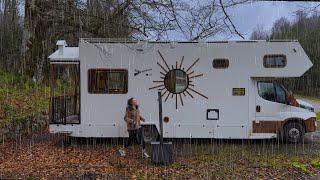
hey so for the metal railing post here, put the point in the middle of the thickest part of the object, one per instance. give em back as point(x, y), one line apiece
point(160, 117)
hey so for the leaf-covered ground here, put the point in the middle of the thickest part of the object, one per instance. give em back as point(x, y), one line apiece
point(48, 158)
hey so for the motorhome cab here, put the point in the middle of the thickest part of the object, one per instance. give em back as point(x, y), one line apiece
point(209, 89)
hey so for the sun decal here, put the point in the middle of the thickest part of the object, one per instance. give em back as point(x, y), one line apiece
point(176, 81)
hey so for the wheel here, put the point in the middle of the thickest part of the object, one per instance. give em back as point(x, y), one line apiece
point(293, 132)
point(150, 133)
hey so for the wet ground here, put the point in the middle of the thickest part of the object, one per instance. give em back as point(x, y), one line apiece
point(47, 156)
point(315, 136)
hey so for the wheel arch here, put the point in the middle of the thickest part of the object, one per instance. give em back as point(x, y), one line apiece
point(293, 120)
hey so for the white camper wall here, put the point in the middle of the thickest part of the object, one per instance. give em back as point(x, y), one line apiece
point(102, 114)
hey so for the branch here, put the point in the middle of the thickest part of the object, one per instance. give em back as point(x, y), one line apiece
point(227, 16)
point(175, 17)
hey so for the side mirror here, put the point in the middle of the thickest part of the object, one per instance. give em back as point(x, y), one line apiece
point(288, 97)
point(290, 100)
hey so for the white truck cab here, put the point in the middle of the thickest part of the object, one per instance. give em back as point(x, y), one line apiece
point(277, 111)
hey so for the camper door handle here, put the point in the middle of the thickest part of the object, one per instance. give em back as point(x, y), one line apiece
point(258, 108)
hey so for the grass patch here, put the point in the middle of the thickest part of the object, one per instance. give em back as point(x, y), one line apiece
point(315, 162)
point(300, 166)
point(176, 165)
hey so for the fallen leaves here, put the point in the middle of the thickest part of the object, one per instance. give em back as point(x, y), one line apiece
point(49, 160)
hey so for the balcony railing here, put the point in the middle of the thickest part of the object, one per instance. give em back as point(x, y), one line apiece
point(65, 110)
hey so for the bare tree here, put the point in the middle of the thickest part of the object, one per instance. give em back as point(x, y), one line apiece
point(280, 26)
point(194, 20)
point(259, 33)
point(49, 20)
point(313, 9)
point(10, 35)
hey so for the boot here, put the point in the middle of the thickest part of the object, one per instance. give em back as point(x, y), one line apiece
point(145, 154)
point(122, 152)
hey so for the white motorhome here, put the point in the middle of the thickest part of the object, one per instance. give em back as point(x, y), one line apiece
point(224, 89)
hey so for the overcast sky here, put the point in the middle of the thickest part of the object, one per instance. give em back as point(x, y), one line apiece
point(247, 17)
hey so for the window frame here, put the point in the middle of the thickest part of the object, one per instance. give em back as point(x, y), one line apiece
point(109, 70)
point(265, 57)
point(274, 90)
point(166, 79)
point(216, 111)
point(220, 65)
point(283, 89)
point(259, 90)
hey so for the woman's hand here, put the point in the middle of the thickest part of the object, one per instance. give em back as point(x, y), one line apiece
point(129, 120)
point(142, 119)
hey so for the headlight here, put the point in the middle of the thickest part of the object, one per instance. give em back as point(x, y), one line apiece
point(311, 109)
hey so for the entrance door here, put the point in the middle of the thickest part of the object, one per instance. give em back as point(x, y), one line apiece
point(64, 93)
point(270, 103)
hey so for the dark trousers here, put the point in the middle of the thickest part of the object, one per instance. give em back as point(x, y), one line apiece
point(135, 136)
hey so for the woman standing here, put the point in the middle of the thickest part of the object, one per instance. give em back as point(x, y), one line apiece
point(133, 118)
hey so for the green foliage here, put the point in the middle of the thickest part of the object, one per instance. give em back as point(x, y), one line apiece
point(11, 80)
point(318, 115)
point(315, 162)
point(176, 165)
point(299, 166)
point(31, 178)
point(306, 31)
point(20, 98)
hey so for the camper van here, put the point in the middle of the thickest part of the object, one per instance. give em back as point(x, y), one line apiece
point(224, 90)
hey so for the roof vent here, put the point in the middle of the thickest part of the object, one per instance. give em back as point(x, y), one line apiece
point(61, 44)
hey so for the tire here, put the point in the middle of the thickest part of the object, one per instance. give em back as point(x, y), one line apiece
point(150, 133)
point(293, 132)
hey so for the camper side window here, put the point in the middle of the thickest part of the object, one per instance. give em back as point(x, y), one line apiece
point(220, 63)
point(108, 81)
point(274, 61)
